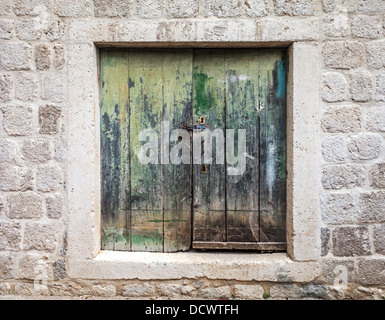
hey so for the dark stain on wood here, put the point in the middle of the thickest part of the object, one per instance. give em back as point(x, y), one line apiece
point(163, 207)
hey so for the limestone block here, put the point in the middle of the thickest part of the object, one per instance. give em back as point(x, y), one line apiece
point(15, 56)
point(183, 8)
point(7, 151)
point(26, 205)
point(377, 175)
point(73, 8)
point(14, 178)
point(42, 57)
point(27, 86)
point(55, 30)
point(371, 271)
point(112, 9)
point(6, 27)
point(334, 87)
point(30, 7)
point(334, 149)
point(5, 87)
point(351, 241)
point(48, 178)
point(364, 146)
point(10, 235)
point(216, 293)
point(223, 8)
point(150, 8)
point(36, 150)
point(366, 27)
point(34, 266)
point(49, 119)
point(6, 266)
point(361, 87)
point(335, 269)
point(371, 6)
point(336, 26)
point(54, 206)
point(27, 29)
point(375, 52)
point(372, 207)
point(138, 290)
point(341, 119)
point(248, 292)
point(343, 176)
point(52, 87)
point(380, 87)
point(59, 57)
point(59, 269)
point(343, 54)
point(294, 7)
point(375, 118)
point(256, 8)
point(40, 236)
point(379, 238)
point(338, 208)
point(17, 120)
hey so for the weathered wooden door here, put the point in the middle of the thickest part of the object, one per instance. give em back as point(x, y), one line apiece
point(235, 200)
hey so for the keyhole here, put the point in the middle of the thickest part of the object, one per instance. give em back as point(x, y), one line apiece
point(202, 120)
point(203, 168)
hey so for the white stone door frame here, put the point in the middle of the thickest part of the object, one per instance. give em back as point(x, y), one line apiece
point(86, 260)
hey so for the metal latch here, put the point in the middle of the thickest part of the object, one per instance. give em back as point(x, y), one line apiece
point(200, 125)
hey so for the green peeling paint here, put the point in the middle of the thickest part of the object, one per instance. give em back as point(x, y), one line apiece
point(148, 207)
point(281, 77)
point(152, 240)
point(204, 92)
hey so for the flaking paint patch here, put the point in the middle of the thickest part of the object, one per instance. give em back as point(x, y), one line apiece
point(241, 87)
point(241, 77)
point(271, 167)
point(281, 79)
point(202, 100)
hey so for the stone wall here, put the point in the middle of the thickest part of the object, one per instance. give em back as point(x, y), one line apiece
point(35, 42)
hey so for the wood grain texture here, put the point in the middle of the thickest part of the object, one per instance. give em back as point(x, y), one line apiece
point(209, 94)
point(242, 99)
point(177, 178)
point(162, 206)
point(272, 146)
point(139, 91)
point(146, 105)
point(115, 173)
point(260, 246)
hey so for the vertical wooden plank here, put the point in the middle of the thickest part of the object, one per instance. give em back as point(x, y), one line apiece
point(242, 69)
point(273, 146)
point(209, 85)
point(146, 104)
point(115, 171)
point(177, 110)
